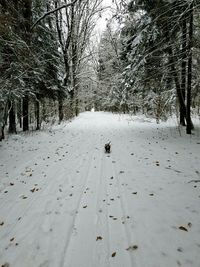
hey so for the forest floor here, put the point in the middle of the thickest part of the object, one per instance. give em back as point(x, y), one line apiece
point(65, 203)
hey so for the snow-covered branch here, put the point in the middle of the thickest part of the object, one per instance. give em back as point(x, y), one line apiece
point(53, 11)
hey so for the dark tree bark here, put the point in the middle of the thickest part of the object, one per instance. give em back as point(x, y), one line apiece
point(25, 104)
point(60, 108)
point(12, 117)
point(183, 67)
point(27, 15)
point(19, 113)
point(189, 80)
point(37, 114)
point(74, 66)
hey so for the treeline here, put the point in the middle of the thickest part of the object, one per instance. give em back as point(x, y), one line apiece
point(42, 48)
point(151, 62)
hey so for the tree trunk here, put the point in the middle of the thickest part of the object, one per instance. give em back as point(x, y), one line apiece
point(177, 83)
point(27, 15)
point(60, 108)
point(25, 104)
point(74, 66)
point(183, 67)
point(189, 82)
point(19, 113)
point(12, 117)
point(37, 114)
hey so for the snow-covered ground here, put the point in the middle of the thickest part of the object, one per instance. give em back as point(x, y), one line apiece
point(65, 203)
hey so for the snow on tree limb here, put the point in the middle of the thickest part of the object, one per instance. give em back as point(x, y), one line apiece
point(52, 11)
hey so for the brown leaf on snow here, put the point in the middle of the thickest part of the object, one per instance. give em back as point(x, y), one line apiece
point(12, 239)
point(113, 254)
point(131, 248)
point(99, 238)
point(33, 190)
point(1, 223)
point(183, 228)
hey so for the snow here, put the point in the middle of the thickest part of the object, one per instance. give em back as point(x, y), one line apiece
point(64, 202)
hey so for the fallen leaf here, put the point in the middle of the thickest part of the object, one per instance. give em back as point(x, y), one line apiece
point(33, 190)
point(131, 248)
point(12, 239)
point(1, 223)
point(113, 254)
point(179, 249)
point(183, 228)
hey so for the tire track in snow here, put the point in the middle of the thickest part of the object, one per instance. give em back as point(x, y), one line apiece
point(101, 250)
point(34, 200)
point(125, 215)
point(119, 240)
point(78, 207)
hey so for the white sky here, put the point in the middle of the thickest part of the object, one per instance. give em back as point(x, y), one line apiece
point(101, 23)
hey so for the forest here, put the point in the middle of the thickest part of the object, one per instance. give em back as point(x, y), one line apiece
point(100, 133)
point(52, 66)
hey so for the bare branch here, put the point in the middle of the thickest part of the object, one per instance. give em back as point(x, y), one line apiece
point(52, 11)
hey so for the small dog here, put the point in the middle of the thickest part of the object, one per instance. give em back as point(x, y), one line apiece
point(107, 147)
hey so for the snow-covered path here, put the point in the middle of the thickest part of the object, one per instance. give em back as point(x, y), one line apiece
point(65, 203)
